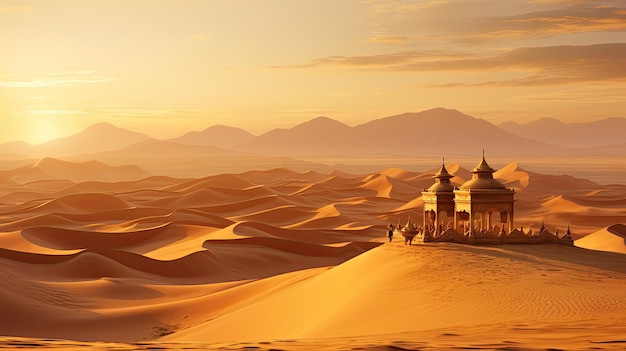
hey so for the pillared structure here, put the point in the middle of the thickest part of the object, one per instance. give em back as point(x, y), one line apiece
point(480, 204)
point(481, 211)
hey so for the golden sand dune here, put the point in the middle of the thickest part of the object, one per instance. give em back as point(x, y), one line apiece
point(563, 204)
point(222, 181)
point(513, 176)
point(6, 181)
point(414, 289)
point(612, 238)
point(386, 186)
point(270, 256)
point(69, 239)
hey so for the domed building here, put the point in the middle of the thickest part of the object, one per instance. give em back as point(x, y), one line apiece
point(478, 212)
point(482, 203)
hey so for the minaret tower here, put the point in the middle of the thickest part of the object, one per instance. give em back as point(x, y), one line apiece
point(438, 201)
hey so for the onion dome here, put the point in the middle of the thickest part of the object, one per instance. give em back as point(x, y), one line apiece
point(482, 178)
point(442, 181)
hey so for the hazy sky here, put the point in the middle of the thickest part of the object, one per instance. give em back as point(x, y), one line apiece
point(168, 67)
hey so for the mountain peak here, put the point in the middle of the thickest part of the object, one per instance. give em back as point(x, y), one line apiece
point(97, 137)
point(101, 125)
point(48, 162)
point(217, 135)
point(106, 127)
point(321, 124)
point(305, 138)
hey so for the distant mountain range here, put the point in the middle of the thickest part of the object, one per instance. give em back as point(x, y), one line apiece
point(436, 132)
point(432, 132)
point(606, 132)
point(96, 138)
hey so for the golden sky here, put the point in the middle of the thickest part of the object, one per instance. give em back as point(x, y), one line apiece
point(167, 67)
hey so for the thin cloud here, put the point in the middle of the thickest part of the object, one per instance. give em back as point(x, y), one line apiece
point(55, 112)
point(400, 7)
point(388, 39)
point(593, 95)
point(62, 79)
point(390, 61)
point(569, 20)
point(143, 112)
point(576, 19)
point(551, 65)
point(474, 22)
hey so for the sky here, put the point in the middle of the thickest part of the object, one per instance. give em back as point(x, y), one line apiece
point(169, 67)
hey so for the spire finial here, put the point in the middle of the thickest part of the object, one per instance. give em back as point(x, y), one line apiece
point(483, 153)
point(443, 160)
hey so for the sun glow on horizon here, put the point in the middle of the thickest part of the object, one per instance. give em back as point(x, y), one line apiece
point(41, 129)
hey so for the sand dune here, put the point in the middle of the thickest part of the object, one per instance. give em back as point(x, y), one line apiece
point(612, 238)
point(403, 291)
point(512, 176)
point(67, 239)
point(269, 256)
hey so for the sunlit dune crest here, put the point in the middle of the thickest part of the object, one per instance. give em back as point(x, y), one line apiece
point(260, 257)
point(611, 238)
point(512, 176)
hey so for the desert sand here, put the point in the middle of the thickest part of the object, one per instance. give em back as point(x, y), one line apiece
point(286, 260)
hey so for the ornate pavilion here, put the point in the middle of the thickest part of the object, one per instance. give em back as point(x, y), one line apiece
point(482, 203)
point(481, 211)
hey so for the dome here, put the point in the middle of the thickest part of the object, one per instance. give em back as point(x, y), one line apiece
point(441, 187)
point(482, 183)
point(482, 178)
point(442, 181)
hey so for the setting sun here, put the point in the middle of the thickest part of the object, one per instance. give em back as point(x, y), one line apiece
point(43, 125)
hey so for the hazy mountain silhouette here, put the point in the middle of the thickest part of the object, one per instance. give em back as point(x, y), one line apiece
point(181, 160)
point(51, 168)
point(437, 131)
point(217, 135)
point(305, 138)
point(16, 149)
point(160, 148)
point(98, 137)
point(619, 149)
point(610, 131)
point(95, 138)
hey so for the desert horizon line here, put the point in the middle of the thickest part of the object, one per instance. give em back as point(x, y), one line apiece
point(296, 124)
